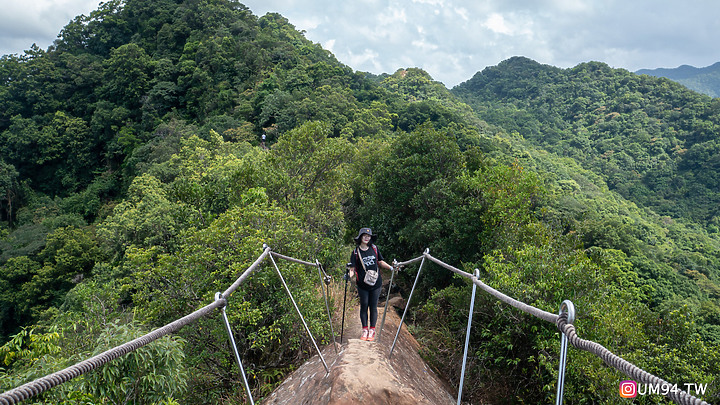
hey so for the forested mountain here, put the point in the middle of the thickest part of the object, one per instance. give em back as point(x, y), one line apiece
point(133, 187)
point(653, 141)
point(703, 80)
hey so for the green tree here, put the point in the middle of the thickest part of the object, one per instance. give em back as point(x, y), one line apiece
point(151, 374)
point(16, 272)
point(308, 175)
point(30, 286)
point(8, 191)
point(146, 218)
point(373, 121)
point(169, 285)
point(127, 76)
point(398, 187)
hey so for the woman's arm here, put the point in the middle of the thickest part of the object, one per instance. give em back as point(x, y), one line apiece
point(384, 265)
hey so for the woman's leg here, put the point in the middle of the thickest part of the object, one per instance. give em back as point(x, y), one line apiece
point(364, 302)
point(373, 297)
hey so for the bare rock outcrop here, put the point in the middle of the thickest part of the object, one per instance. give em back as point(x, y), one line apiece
point(363, 373)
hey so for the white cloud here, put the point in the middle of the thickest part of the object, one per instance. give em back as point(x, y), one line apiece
point(45, 16)
point(572, 6)
point(512, 25)
point(496, 23)
point(440, 3)
point(23, 23)
point(392, 16)
point(376, 35)
point(307, 23)
point(462, 12)
point(453, 39)
point(367, 59)
point(424, 45)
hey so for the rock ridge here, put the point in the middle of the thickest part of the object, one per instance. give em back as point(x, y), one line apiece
point(363, 373)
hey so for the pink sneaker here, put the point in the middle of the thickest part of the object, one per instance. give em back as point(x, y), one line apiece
point(364, 334)
point(371, 335)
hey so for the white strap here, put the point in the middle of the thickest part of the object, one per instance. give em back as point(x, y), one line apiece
point(357, 251)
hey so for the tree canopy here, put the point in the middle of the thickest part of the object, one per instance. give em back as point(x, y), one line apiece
point(133, 186)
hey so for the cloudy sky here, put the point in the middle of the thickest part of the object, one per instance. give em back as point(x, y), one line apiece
point(453, 39)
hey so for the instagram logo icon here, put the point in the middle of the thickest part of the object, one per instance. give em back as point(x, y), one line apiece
point(628, 389)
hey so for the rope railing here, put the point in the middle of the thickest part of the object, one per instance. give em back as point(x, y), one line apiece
point(411, 261)
point(618, 363)
point(547, 316)
point(292, 259)
point(564, 325)
point(566, 329)
point(247, 273)
point(42, 384)
point(33, 388)
point(536, 312)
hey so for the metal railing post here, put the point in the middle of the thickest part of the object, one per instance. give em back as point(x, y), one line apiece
point(467, 337)
point(219, 296)
point(297, 309)
point(387, 300)
point(402, 320)
point(566, 305)
point(326, 280)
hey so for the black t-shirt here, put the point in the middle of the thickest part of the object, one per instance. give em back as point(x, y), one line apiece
point(371, 263)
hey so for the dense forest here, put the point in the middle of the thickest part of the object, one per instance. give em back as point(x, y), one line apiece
point(133, 187)
point(651, 141)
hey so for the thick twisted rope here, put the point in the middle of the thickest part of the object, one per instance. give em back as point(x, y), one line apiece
point(536, 312)
point(292, 259)
point(40, 385)
point(623, 365)
point(31, 389)
point(247, 272)
point(402, 264)
point(447, 266)
point(539, 313)
point(611, 359)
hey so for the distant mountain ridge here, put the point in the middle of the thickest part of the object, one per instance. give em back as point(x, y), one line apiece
point(704, 80)
point(608, 119)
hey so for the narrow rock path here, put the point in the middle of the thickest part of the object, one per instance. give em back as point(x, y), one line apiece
point(362, 372)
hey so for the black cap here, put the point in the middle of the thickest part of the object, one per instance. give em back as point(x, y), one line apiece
point(367, 231)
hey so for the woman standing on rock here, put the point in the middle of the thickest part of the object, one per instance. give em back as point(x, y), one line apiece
point(365, 261)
